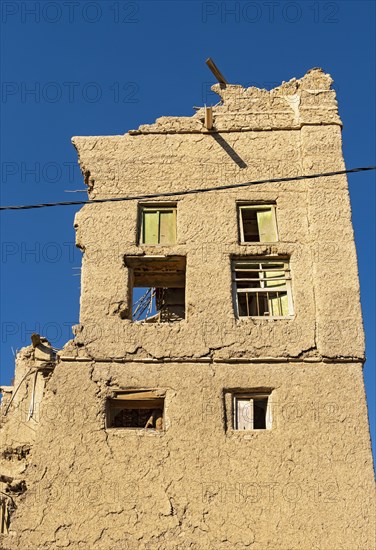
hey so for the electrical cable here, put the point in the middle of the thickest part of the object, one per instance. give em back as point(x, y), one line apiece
point(189, 191)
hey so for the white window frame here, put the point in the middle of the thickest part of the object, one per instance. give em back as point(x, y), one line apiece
point(236, 265)
point(254, 206)
point(251, 397)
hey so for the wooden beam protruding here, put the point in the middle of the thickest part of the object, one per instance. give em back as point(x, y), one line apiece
point(216, 72)
point(208, 118)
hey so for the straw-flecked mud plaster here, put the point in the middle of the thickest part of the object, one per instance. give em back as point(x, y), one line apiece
point(305, 484)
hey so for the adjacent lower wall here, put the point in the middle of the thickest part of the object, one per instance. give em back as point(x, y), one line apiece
point(305, 484)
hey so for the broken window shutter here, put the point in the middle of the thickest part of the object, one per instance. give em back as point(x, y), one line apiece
point(278, 305)
point(167, 228)
point(150, 227)
point(284, 303)
point(266, 226)
point(277, 278)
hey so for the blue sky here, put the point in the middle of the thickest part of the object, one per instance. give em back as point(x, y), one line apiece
point(100, 68)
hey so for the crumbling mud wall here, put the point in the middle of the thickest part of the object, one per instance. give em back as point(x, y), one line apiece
point(304, 483)
point(20, 414)
point(289, 131)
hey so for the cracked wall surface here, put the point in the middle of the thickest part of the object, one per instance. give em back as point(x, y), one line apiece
point(307, 482)
point(313, 217)
point(194, 485)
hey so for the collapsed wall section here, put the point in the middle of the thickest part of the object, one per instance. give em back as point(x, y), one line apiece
point(20, 414)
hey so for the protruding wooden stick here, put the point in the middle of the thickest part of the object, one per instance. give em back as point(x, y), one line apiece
point(216, 72)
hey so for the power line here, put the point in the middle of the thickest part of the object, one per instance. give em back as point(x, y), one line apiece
point(187, 192)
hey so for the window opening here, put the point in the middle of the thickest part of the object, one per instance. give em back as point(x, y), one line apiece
point(262, 288)
point(158, 224)
point(158, 288)
point(252, 412)
point(257, 223)
point(143, 409)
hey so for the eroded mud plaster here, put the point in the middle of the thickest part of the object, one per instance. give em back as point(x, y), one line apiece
point(305, 483)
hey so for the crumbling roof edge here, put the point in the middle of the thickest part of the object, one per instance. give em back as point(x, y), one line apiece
point(293, 104)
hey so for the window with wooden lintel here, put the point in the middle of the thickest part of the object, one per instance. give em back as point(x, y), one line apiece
point(257, 223)
point(262, 288)
point(157, 224)
point(157, 288)
point(252, 411)
point(136, 409)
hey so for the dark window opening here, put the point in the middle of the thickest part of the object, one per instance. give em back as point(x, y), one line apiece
point(259, 413)
point(136, 410)
point(251, 412)
point(250, 226)
point(257, 223)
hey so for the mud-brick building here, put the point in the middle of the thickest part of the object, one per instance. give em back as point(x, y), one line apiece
point(213, 396)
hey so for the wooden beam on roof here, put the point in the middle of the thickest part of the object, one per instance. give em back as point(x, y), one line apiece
point(208, 118)
point(216, 72)
point(35, 339)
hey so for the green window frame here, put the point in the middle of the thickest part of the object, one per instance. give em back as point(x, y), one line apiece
point(158, 224)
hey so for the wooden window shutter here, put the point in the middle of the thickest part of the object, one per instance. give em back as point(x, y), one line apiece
point(244, 413)
point(266, 226)
point(167, 227)
point(150, 227)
